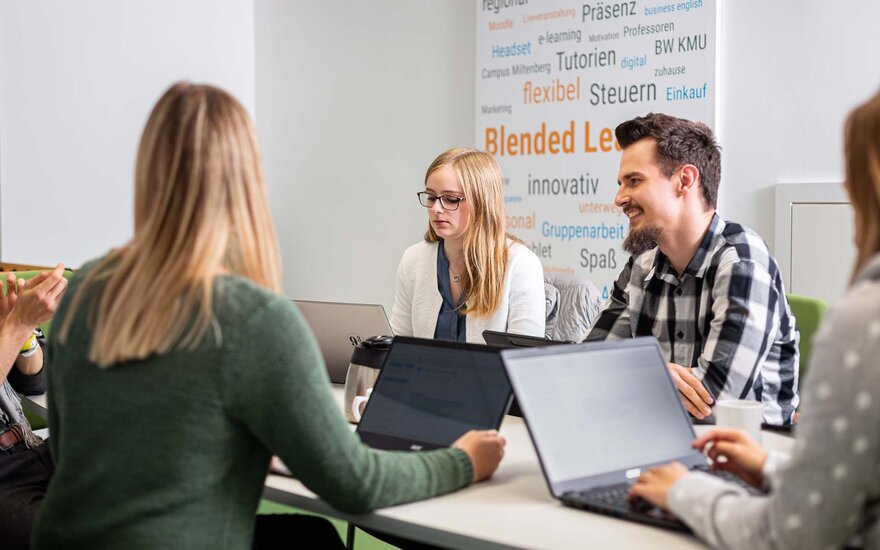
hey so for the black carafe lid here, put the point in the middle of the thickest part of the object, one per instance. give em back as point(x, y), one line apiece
point(372, 351)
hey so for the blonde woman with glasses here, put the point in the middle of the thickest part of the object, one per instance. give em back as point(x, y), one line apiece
point(468, 274)
point(177, 370)
point(827, 495)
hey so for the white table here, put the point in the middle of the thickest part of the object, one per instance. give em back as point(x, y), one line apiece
point(512, 510)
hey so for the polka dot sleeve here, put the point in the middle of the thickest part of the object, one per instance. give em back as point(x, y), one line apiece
point(829, 491)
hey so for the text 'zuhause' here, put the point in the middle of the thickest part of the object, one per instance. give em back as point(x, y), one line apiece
point(500, 141)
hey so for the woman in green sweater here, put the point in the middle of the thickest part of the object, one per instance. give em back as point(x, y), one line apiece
point(179, 341)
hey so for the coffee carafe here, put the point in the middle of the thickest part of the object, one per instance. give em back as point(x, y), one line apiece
point(366, 362)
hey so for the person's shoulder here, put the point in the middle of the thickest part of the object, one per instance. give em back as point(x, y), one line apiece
point(520, 254)
point(517, 248)
point(240, 301)
point(78, 275)
point(852, 323)
point(859, 308)
point(419, 250)
point(739, 243)
point(89, 266)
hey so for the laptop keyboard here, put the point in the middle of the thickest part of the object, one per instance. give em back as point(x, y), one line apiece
point(615, 495)
point(614, 499)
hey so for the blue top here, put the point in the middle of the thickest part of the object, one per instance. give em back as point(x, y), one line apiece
point(450, 325)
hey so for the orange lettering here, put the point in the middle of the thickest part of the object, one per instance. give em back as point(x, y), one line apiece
point(605, 137)
point(587, 147)
point(568, 139)
point(511, 145)
point(491, 141)
point(606, 140)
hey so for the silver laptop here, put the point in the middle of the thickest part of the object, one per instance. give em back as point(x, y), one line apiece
point(430, 392)
point(599, 414)
point(339, 327)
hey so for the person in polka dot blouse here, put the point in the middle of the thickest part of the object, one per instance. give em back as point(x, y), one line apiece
point(827, 494)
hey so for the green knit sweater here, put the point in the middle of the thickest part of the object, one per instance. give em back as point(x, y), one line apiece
point(172, 451)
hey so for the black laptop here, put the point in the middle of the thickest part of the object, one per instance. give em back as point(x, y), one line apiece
point(430, 392)
point(599, 414)
point(512, 340)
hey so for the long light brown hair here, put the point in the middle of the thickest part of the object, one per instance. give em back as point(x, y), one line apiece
point(862, 152)
point(485, 241)
point(200, 210)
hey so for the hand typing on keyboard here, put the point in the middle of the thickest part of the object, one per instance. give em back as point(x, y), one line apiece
point(735, 452)
point(654, 484)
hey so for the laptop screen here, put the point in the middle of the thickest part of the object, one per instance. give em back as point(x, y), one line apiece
point(339, 327)
point(597, 408)
point(431, 392)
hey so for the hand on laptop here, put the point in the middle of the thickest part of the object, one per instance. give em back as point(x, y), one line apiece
point(654, 484)
point(736, 452)
point(485, 449)
point(694, 395)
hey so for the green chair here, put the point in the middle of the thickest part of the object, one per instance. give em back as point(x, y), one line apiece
point(36, 421)
point(808, 313)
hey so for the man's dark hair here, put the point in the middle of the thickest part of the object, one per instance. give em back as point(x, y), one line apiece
point(679, 142)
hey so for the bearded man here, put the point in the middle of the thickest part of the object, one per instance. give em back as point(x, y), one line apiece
point(707, 289)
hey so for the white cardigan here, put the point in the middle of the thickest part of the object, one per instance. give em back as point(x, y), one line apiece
point(417, 300)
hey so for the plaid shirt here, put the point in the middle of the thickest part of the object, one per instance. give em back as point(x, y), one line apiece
point(726, 316)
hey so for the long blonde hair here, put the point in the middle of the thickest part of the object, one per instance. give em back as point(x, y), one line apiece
point(485, 241)
point(200, 209)
point(862, 152)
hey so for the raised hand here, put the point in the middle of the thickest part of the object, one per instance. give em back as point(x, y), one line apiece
point(32, 303)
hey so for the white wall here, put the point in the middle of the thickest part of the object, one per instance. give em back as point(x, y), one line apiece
point(354, 101)
point(77, 81)
point(791, 71)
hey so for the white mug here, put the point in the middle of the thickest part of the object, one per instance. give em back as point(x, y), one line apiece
point(358, 402)
point(740, 414)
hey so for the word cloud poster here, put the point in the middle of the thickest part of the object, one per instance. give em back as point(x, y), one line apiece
point(554, 78)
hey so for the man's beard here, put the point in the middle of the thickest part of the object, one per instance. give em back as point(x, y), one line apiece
point(641, 240)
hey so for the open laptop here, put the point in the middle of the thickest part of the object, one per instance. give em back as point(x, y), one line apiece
point(599, 414)
point(512, 340)
point(430, 392)
point(339, 327)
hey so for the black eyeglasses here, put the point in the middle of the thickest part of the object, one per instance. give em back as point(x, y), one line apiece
point(448, 202)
